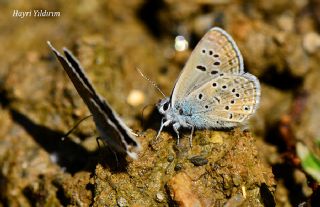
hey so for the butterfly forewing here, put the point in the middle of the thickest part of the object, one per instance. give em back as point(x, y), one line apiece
point(215, 54)
point(109, 125)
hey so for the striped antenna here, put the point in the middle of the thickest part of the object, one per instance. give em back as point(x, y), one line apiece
point(150, 81)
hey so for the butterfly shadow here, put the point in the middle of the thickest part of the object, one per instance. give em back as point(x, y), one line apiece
point(114, 161)
point(151, 121)
point(70, 155)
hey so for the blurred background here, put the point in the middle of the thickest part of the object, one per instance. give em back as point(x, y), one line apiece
point(279, 40)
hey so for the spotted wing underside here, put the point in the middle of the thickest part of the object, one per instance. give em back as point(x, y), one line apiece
point(215, 54)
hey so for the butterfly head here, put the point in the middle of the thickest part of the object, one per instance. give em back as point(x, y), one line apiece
point(164, 105)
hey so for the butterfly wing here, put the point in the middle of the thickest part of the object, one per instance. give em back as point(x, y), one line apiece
point(225, 100)
point(215, 54)
point(111, 128)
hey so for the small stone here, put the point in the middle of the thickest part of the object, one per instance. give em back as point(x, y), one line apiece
point(181, 191)
point(226, 181)
point(286, 22)
point(235, 200)
point(122, 202)
point(159, 197)
point(311, 42)
point(178, 167)
point(198, 160)
point(136, 98)
point(170, 158)
point(181, 44)
point(236, 180)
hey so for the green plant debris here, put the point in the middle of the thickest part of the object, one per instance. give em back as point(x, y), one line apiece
point(309, 162)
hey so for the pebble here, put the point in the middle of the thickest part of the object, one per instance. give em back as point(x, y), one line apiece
point(178, 167)
point(311, 42)
point(226, 181)
point(136, 98)
point(198, 160)
point(236, 200)
point(286, 22)
point(122, 202)
point(159, 197)
point(170, 158)
point(182, 192)
point(236, 179)
point(181, 44)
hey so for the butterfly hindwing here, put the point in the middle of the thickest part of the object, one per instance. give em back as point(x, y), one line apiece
point(229, 98)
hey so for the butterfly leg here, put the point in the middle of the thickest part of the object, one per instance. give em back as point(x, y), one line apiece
point(97, 140)
point(190, 138)
point(132, 132)
point(164, 122)
point(176, 127)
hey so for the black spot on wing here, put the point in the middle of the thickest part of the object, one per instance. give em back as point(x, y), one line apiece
point(200, 96)
point(214, 72)
point(201, 67)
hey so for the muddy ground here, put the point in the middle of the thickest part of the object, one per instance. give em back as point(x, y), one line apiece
point(280, 43)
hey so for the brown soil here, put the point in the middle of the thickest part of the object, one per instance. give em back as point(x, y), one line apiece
point(280, 42)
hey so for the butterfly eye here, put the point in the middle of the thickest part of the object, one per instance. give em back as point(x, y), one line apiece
point(166, 106)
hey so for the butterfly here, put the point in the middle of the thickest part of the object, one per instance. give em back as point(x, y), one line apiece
point(109, 125)
point(212, 91)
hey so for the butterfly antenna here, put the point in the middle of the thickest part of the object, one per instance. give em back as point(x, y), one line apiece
point(75, 126)
point(150, 81)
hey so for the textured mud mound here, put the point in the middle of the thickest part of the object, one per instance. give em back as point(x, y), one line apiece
point(280, 43)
